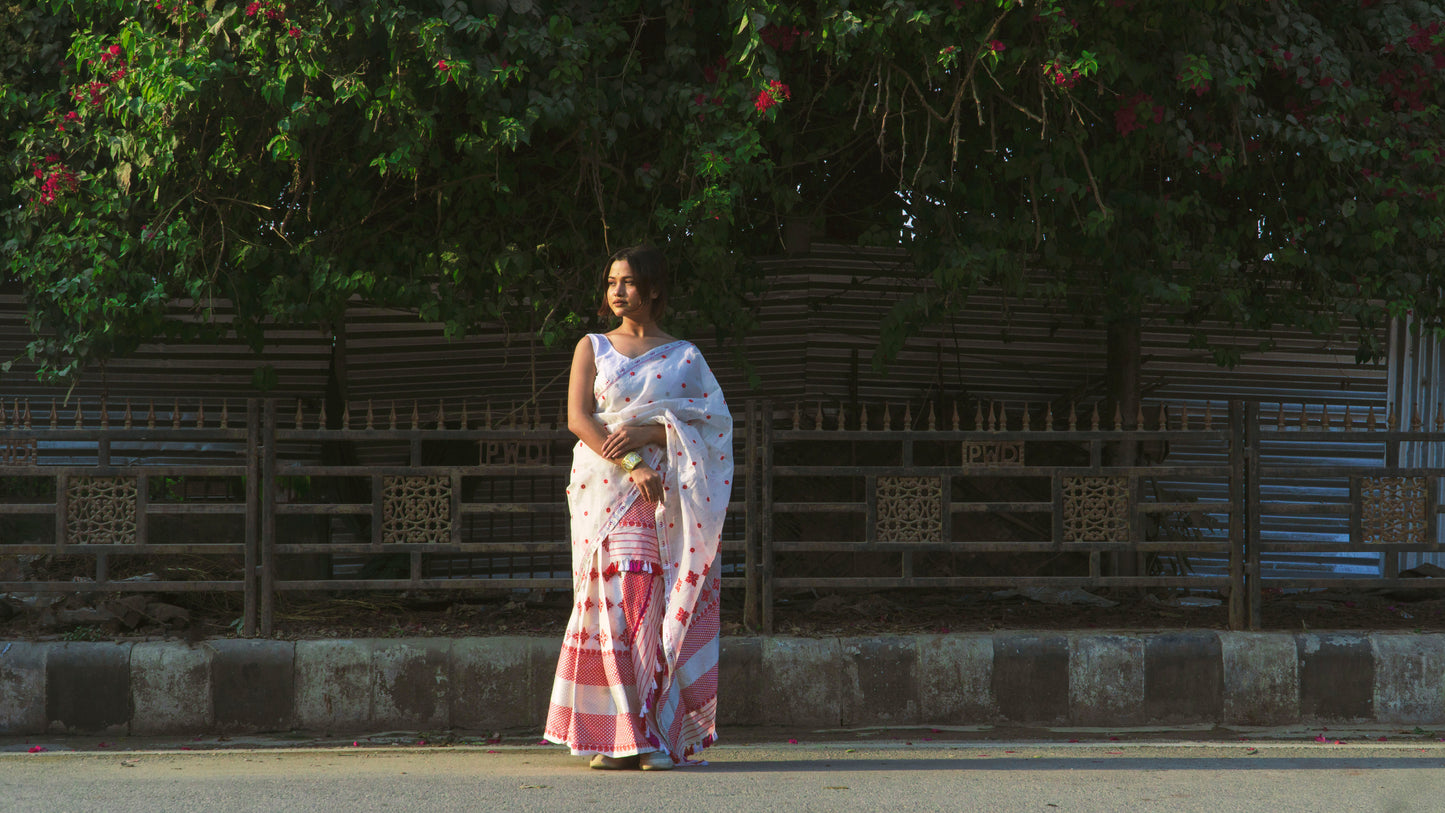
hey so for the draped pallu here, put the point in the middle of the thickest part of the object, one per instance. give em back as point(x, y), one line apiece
point(638, 670)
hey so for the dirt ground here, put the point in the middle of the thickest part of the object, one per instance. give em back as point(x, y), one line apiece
point(806, 614)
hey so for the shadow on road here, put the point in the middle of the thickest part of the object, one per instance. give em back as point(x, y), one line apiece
point(1083, 763)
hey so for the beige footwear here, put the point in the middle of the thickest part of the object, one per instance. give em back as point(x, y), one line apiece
point(656, 761)
point(602, 762)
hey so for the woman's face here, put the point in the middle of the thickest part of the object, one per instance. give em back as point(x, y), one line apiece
point(623, 295)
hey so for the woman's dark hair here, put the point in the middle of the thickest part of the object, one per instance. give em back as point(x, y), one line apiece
point(649, 270)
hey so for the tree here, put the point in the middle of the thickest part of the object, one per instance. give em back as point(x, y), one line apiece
point(475, 162)
point(1256, 163)
point(1259, 162)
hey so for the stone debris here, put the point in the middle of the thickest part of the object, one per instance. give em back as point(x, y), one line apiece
point(1058, 595)
point(127, 613)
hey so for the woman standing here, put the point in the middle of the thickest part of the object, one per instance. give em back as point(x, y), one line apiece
point(651, 475)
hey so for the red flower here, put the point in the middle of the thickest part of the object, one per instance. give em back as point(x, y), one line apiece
point(1126, 117)
point(779, 38)
point(996, 47)
point(772, 94)
point(295, 33)
point(252, 8)
point(442, 65)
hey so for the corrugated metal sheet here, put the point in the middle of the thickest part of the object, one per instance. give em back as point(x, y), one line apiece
point(817, 314)
point(819, 318)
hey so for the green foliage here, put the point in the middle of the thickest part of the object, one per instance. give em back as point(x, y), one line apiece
point(474, 162)
point(1257, 163)
point(1260, 163)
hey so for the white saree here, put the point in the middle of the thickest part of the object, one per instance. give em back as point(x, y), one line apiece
point(638, 670)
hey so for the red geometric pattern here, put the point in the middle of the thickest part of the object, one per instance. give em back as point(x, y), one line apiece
point(598, 667)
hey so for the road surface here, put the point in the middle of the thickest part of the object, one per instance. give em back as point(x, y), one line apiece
point(1051, 777)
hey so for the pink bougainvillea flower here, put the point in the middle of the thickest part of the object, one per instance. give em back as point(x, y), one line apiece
point(295, 33)
point(996, 46)
point(792, 741)
point(35, 749)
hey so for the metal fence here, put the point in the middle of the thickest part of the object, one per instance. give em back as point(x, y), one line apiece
point(263, 501)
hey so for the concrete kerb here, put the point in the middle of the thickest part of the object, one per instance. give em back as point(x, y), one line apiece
point(1106, 680)
point(491, 685)
point(1409, 678)
point(170, 689)
point(1261, 679)
point(22, 687)
point(334, 685)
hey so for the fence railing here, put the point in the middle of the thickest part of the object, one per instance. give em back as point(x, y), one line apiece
point(263, 501)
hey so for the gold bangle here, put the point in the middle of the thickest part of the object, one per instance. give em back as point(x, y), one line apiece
point(630, 461)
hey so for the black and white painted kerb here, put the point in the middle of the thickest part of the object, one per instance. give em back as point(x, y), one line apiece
point(1180, 678)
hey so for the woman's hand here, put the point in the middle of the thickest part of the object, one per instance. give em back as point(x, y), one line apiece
point(648, 482)
point(631, 438)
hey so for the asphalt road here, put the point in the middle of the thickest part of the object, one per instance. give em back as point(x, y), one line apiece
point(996, 776)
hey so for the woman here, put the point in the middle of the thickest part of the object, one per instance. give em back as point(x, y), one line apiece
point(652, 471)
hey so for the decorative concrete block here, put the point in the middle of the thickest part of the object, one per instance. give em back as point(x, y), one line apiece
point(1106, 680)
point(1183, 678)
point(1336, 677)
point(491, 684)
point(410, 683)
point(800, 685)
point(1261, 678)
point(1409, 678)
point(333, 685)
point(955, 679)
point(1031, 677)
point(170, 688)
point(879, 681)
point(87, 688)
point(253, 685)
point(22, 687)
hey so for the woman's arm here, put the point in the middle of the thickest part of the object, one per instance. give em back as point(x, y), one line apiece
point(631, 438)
point(582, 422)
point(581, 408)
point(582, 419)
